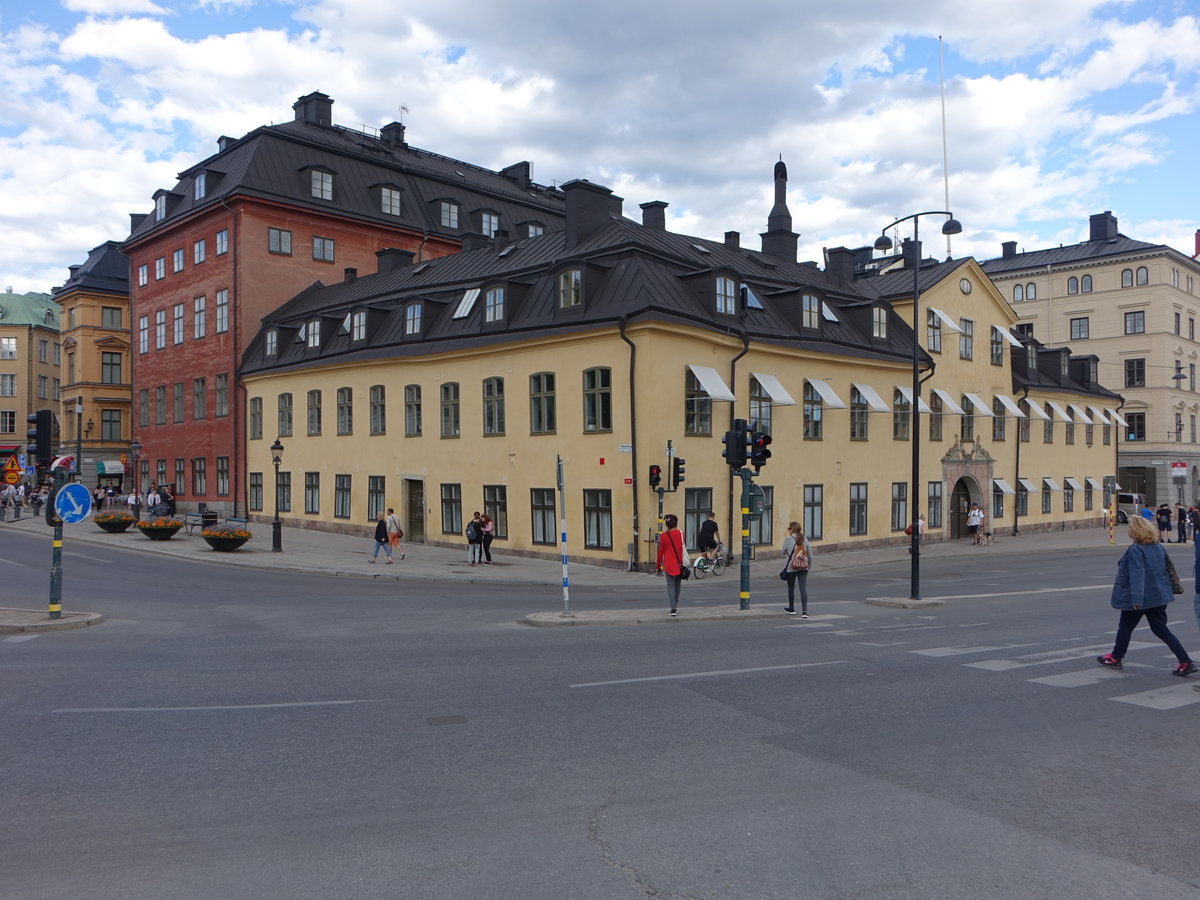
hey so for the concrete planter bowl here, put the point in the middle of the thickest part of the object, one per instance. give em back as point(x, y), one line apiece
point(224, 543)
point(114, 524)
point(160, 529)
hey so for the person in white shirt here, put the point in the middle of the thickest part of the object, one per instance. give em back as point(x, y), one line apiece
point(975, 523)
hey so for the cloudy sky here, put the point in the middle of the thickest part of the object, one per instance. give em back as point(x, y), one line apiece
point(1055, 110)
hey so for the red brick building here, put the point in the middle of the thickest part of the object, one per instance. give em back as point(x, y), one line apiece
point(254, 225)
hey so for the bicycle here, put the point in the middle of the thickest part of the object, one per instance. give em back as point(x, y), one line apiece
point(714, 564)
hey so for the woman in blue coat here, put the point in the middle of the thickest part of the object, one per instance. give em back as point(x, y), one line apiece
point(1142, 588)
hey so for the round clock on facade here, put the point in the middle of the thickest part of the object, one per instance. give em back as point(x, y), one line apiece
point(965, 285)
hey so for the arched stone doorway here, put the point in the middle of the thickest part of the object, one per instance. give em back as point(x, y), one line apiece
point(965, 492)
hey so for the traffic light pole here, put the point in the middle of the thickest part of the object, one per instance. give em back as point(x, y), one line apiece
point(744, 588)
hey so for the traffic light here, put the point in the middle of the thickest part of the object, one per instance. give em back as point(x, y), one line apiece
point(735, 444)
point(677, 472)
point(759, 452)
point(655, 476)
point(40, 435)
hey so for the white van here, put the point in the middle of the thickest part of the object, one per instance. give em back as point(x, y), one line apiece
point(1129, 505)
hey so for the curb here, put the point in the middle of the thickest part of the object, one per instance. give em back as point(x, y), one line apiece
point(649, 617)
point(36, 623)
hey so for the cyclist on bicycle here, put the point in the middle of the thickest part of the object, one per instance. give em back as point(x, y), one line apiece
point(708, 538)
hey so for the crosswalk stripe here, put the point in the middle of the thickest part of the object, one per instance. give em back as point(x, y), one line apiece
point(961, 651)
point(1066, 654)
point(1078, 679)
point(1163, 698)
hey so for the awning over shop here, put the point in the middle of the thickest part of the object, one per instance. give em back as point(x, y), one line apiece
point(712, 383)
point(776, 391)
point(110, 467)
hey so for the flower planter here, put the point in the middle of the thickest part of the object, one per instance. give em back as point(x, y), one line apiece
point(115, 526)
point(158, 533)
point(225, 544)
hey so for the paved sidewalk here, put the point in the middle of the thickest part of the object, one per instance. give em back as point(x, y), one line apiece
point(317, 552)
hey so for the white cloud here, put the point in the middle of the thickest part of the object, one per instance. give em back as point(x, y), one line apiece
point(114, 7)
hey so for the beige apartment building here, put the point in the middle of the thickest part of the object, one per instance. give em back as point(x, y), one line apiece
point(1134, 306)
point(29, 358)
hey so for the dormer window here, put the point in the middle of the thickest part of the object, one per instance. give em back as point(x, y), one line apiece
point(160, 207)
point(313, 338)
point(879, 323)
point(358, 325)
point(412, 319)
point(321, 184)
point(536, 230)
point(810, 311)
point(493, 305)
point(489, 223)
point(570, 288)
point(389, 201)
point(726, 295)
point(200, 186)
point(449, 214)
point(271, 347)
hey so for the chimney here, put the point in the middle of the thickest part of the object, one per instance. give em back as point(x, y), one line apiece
point(1103, 226)
point(500, 238)
point(392, 258)
point(1197, 253)
point(779, 240)
point(1008, 250)
point(136, 219)
point(350, 275)
point(733, 239)
point(839, 265)
point(654, 215)
point(392, 134)
point(589, 208)
point(314, 109)
point(520, 173)
point(473, 240)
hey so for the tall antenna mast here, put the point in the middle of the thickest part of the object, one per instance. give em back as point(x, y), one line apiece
point(945, 152)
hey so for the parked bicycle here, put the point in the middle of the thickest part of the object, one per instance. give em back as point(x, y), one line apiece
point(715, 563)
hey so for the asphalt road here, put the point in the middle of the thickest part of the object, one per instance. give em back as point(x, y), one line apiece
point(244, 734)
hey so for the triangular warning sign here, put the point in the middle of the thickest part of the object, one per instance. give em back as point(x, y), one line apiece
point(11, 465)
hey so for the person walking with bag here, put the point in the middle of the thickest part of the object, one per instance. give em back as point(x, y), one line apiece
point(475, 541)
point(671, 560)
point(1143, 588)
point(394, 532)
point(797, 567)
point(381, 540)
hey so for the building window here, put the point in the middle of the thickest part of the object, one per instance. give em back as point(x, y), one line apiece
point(997, 347)
point(322, 249)
point(726, 295)
point(536, 230)
point(70, 372)
point(345, 411)
point(110, 425)
point(256, 418)
point(279, 241)
point(858, 415)
point(1135, 322)
point(341, 496)
point(1178, 323)
point(285, 415)
point(966, 340)
point(697, 407)
point(1046, 497)
point(8, 421)
point(997, 502)
point(412, 410)
point(160, 404)
point(314, 412)
point(493, 406)
point(760, 407)
point(900, 518)
point(1031, 291)
point(199, 186)
point(376, 496)
point(1022, 500)
point(493, 305)
point(542, 408)
point(312, 492)
point(858, 507)
point(222, 476)
point(762, 532)
point(177, 324)
point(1018, 293)
point(222, 241)
point(199, 251)
point(271, 342)
point(322, 187)
point(813, 411)
point(312, 334)
point(879, 322)
point(597, 519)
point(110, 317)
point(1085, 284)
point(814, 511)
point(1143, 275)
point(199, 403)
point(110, 368)
point(933, 332)
point(810, 314)
point(256, 492)
point(570, 288)
point(177, 260)
point(901, 416)
point(160, 329)
point(177, 401)
point(1048, 431)
point(1023, 423)
point(495, 504)
point(199, 476)
point(968, 419)
point(933, 504)
point(389, 201)
point(56, 385)
point(541, 515)
point(143, 275)
point(160, 268)
point(1088, 497)
point(378, 409)
point(597, 400)
point(1079, 329)
point(144, 407)
point(199, 320)
point(284, 490)
point(449, 215)
point(1126, 278)
point(222, 322)
point(358, 325)
point(452, 509)
point(1073, 285)
point(1135, 373)
point(43, 387)
point(999, 423)
point(935, 417)
point(489, 223)
point(450, 410)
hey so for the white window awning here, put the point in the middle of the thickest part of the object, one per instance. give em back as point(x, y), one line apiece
point(1010, 405)
point(1093, 483)
point(981, 408)
point(1003, 486)
point(1073, 484)
point(1117, 417)
point(1080, 415)
point(906, 393)
point(712, 383)
point(110, 467)
point(466, 303)
point(874, 401)
point(828, 396)
point(1051, 484)
point(1058, 411)
point(827, 313)
point(1098, 415)
point(1027, 485)
point(949, 402)
point(776, 391)
point(1006, 335)
point(945, 319)
point(1036, 409)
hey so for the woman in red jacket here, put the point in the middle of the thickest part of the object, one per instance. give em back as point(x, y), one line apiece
point(670, 559)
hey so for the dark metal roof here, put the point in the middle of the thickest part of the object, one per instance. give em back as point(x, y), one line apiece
point(1048, 376)
point(1087, 251)
point(105, 269)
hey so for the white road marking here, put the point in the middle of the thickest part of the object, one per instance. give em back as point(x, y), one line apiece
point(961, 651)
point(705, 674)
point(1030, 593)
point(886, 644)
point(11, 562)
point(1081, 678)
point(1163, 698)
point(1067, 654)
point(116, 709)
point(18, 638)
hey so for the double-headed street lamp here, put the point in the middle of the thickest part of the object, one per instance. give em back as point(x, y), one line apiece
point(276, 525)
point(913, 247)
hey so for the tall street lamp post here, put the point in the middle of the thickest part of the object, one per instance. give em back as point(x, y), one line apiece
point(276, 525)
point(883, 242)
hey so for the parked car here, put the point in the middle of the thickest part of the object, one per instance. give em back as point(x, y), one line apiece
point(1129, 505)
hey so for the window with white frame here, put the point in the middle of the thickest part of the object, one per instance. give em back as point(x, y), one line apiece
point(493, 406)
point(449, 214)
point(199, 317)
point(177, 324)
point(199, 251)
point(493, 305)
point(879, 324)
point(570, 288)
point(933, 332)
point(389, 201)
point(279, 241)
point(412, 319)
point(322, 184)
point(322, 249)
point(222, 320)
point(697, 406)
point(966, 340)
point(160, 329)
point(761, 408)
point(312, 334)
point(177, 260)
point(358, 325)
point(726, 295)
point(810, 313)
point(143, 275)
point(222, 242)
point(489, 223)
point(160, 268)
point(143, 334)
point(345, 411)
